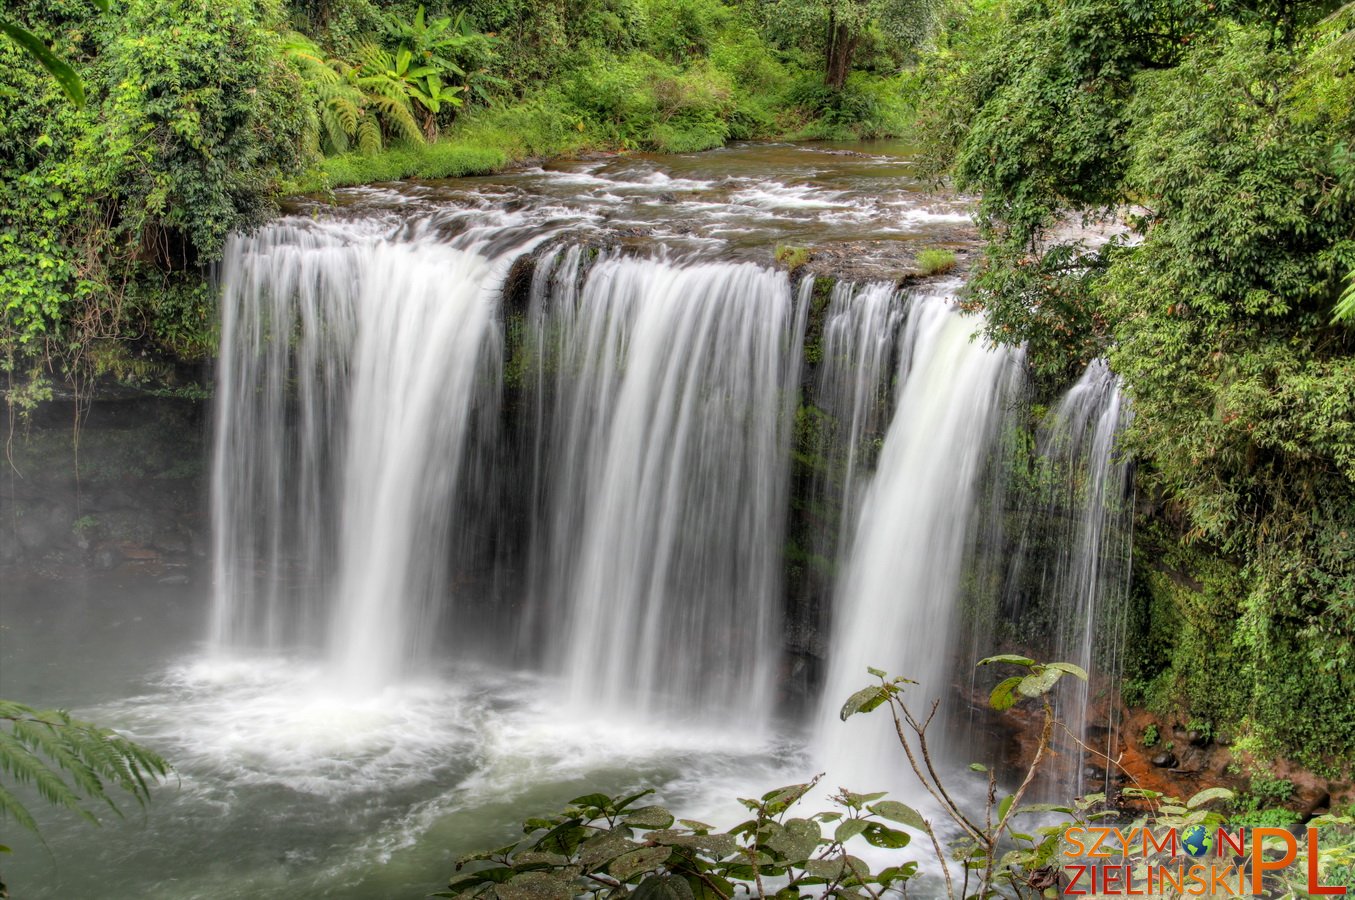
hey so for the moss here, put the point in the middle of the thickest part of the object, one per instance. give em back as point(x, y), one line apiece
point(818, 309)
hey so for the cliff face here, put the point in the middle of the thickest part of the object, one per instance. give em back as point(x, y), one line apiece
point(126, 490)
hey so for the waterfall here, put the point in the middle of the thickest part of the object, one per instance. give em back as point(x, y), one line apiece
point(663, 447)
point(897, 595)
point(859, 341)
point(642, 480)
point(352, 366)
point(1073, 561)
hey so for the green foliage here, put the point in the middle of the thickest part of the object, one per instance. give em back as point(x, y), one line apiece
point(1220, 137)
point(1267, 790)
point(1150, 736)
point(793, 257)
point(108, 213)
point(57, 67)
point(200, 116)
point(1277, 817)
point(936, 262)
point(604, 846)
point(445, 159)
point(69, 762)
point(600, 844)
point(841, 31)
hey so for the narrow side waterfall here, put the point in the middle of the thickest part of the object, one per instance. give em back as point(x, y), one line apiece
point(664, 447)
point(898, 592)
point(1075, 555)
point(860, 339)
point(352, 366)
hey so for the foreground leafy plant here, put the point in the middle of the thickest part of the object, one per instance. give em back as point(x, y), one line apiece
point(70, 761)
point(607, 844)
point(604, 845)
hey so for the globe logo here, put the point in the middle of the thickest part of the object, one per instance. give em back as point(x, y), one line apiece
point(1197, 840)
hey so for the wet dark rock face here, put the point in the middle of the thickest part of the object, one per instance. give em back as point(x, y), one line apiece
point(127, 491)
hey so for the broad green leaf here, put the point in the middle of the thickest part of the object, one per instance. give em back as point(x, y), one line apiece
point(563, 838)
point(649, 817)
point(636, 861)
point(540, 858)
point(1207, 795)
point(1004, 695)
point(797, 840)
point(709, 886)
point(863, 701)
point(622, 804)
point(892, 874)
point(663, 887)
point(58, 68)
point(788, 794)
point(1008, 658)
point(901, 813)
point(884, 836)
point(596, 852)
point(848, 829)
point(537, 886)
point(1040, 683)
point(1069, 669)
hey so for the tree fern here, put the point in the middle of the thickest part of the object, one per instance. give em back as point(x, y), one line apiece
point(69, 762)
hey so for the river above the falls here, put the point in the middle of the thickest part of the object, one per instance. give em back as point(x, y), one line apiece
point(861, 208)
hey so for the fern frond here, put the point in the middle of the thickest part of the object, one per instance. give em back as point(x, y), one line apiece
point(336, 127)
point(369, 135)
point(45, 738)
point(398, 118)
point(46, 747)
point(11, 808)
point(25, 768)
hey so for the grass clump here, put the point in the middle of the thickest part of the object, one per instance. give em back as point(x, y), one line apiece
point(936, 262)
point(792, 257)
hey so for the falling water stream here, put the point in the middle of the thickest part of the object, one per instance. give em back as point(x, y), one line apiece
point(665, 449)
point(1073, 560)
point(896, 604)
point(504, 478)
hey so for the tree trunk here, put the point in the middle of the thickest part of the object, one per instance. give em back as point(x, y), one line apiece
point(841, 46)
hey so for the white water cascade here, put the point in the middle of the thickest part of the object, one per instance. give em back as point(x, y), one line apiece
point(662, 449)
point(1078, 543)
point(897, 596)
point(352, 365)
point(860, 338)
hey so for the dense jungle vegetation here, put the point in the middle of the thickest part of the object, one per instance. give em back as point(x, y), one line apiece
point(199, 116)
point(1221, 131)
